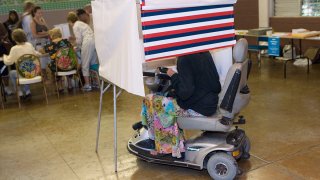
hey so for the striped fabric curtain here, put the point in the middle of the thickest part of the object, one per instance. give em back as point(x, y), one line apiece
point(179, 31)
point(167, 4)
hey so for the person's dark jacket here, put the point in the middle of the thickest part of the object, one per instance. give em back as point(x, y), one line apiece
point(196, 84)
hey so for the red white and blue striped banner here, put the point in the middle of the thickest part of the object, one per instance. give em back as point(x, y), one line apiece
point(168, 4)
point(180, 31)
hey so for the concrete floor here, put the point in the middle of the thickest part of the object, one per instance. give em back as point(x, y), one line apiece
point(57, 141)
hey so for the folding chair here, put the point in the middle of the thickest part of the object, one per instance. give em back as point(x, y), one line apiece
point(29, 72)
point(262, 44)
point(66, 64)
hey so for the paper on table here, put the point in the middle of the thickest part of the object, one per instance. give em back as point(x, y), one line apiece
point(281, 34)
point(65, 30)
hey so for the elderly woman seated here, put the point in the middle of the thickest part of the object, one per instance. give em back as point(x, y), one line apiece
point(22, 47)
point(63, 57)
point(195, 87)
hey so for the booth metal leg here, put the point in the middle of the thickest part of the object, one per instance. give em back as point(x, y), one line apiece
point(308, 70)
point(115, 96)
point(115, 127)
point(102, 91)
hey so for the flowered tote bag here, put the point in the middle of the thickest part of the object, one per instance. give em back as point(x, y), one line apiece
point(28, 66)
point(66, 59)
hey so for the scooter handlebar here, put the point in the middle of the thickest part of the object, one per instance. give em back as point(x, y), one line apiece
point(149, 74)
point(161, 73)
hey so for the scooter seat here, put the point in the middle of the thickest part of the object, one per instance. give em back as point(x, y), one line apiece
point(203, 123)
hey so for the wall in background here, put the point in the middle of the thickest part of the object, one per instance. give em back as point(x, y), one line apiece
point(52, 17)
point(48, 5)
point(247, 14)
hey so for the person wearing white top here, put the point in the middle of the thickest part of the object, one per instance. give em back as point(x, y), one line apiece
point(85, 40)
point(27, 19)
point(22, 47)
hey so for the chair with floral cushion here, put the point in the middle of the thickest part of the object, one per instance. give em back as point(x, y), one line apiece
point(66, 64)
point(29, 72)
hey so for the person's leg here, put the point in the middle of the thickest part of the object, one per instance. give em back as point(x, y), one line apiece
point(44, 63)
point(147, 116)
point(85, 60)
point(93, 54)
point(223, 61)
point(13, 78)
point(26, 89)
point(69, 82)
point(5, 78)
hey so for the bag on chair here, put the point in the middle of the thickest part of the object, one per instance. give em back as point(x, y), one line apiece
point(287, 52)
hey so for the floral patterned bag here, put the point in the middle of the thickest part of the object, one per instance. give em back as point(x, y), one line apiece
point(66, 59)
point(28, 66)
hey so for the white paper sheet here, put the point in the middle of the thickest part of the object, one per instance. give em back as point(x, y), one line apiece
point(65, 30)
point(118, 46)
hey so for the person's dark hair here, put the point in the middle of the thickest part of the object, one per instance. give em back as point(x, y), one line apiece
point(34, 10)
point(80, 12)
point(16, 15)
point(19, 36)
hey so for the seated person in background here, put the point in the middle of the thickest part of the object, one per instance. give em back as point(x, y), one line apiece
point(5, 46)
point(22, 47)
point(66, 62)
point(196, 87)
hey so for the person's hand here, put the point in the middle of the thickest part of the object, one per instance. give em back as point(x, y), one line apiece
point(170, 72)
point(42, 51)
point(72, 38)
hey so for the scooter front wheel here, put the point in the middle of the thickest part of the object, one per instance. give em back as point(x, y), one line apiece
point(222, 166)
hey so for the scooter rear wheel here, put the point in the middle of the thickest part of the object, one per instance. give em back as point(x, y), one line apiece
point(222, 166)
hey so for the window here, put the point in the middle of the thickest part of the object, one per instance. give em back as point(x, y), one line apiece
point(287, 8)
point(310, 8)
point(294, 8)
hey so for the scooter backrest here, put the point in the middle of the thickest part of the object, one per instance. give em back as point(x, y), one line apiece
point(234, 94)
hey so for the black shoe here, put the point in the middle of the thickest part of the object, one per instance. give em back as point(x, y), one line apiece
point(60, 91)
point(22, 97)
point(147, 144)
point(70, 89)
point(27, 97)
point(137, 126)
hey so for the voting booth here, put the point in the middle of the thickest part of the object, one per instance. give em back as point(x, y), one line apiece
point(170, 28)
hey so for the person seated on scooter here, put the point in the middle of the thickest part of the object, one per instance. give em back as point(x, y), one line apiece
point(196, 87)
